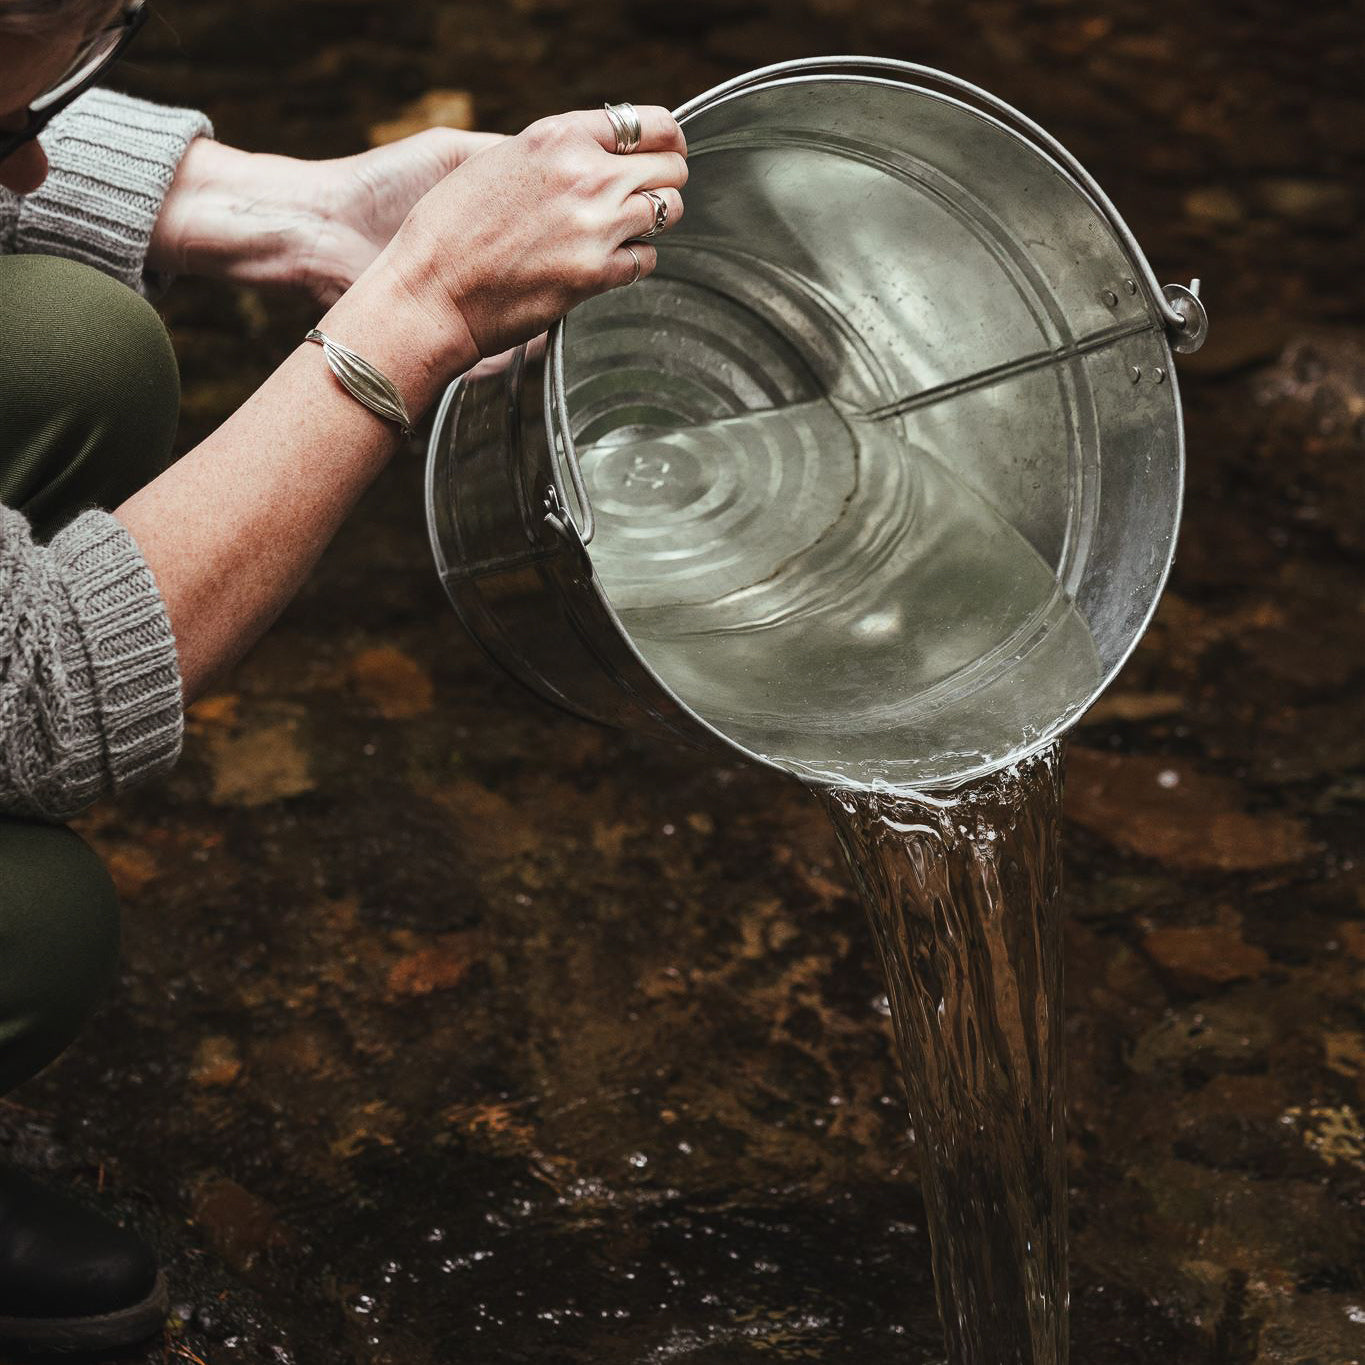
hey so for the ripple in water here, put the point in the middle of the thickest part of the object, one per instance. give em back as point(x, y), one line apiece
point(828, 593)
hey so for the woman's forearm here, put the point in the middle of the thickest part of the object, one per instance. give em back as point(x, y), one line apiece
point(231, 214)
point(255, 218)
point(233, 528)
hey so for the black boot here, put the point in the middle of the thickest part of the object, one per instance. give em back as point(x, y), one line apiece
point(69, 1280)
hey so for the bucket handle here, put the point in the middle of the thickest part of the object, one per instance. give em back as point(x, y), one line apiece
point(559, 517)
point(1179, 306)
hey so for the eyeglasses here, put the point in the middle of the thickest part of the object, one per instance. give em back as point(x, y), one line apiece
point(95, 57)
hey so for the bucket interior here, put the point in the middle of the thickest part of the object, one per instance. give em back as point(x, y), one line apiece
point(886, 455)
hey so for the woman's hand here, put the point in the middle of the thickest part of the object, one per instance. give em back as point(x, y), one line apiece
point(530, 227)
point(497, 250)
point(313, 225)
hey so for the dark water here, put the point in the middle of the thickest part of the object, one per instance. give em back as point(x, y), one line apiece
point(962, 891)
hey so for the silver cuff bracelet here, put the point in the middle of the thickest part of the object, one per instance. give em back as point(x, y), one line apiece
point(363, 382)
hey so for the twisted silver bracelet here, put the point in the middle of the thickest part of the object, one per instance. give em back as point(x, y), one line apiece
point(363, 382)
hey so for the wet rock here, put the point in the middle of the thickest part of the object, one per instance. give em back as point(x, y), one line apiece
point(239, 1225)
point(435, 109)
point(1203, 956)
point(132, 866)
point(1279, 1231)
point(1334, 1132)
point(299, 1053)
point(1352, 935)
point(1239, 342)
point(216, 1062)
point(1311, 1329)
point(609, 837)
point(373, 1123)
point(1312, 429)
point(1210, 1038)
point(257, 766)
point(394, 683)
point(220, 709)
point(1298, 744)
point(413, 867)
point(1344, 1053)
point(755, 43)
point(686, 21)
point(1134, 706)
point(436, 967)
point(1165, 809)
point(486, 823)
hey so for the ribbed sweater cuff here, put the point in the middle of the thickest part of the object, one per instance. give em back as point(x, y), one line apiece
point(112, 160)
point(120, 636)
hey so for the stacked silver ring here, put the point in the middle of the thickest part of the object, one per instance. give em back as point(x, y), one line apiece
point(660, 212)
point(625, 123)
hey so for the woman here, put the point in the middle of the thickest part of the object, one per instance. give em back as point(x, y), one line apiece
point(127, 582)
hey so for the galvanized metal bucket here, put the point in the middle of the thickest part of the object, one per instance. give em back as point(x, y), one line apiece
point(881, 470)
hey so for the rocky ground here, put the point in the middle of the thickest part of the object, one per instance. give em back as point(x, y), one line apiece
point(452, 1029)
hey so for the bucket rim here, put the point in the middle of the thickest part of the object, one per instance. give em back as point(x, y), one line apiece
point(972, 99)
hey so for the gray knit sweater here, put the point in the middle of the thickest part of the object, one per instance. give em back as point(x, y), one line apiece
point(90, 695)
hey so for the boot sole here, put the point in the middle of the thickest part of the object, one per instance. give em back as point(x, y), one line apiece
point(101, 1332)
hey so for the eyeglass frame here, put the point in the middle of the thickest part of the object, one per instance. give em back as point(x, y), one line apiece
point(131, 21)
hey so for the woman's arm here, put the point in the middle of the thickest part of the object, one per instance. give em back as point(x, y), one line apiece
point(255, 218)
point(500, 248)
point(233, 528)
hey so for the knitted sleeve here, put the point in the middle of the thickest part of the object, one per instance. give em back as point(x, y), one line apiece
point(112, 158)
point(90, 697)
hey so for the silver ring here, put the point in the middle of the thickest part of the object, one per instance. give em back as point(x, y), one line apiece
point(634, 256)
point(660, 212)
point(625, 123)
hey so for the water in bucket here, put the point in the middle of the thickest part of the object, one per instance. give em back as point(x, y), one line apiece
point(824, 589)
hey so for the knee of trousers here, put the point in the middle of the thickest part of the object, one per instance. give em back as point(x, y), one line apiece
point(91, 391)
point(59, 940)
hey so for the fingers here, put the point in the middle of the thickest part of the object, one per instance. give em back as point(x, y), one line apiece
point(659, 131)
point(640, 214)
point(652, 170)
point(632, 262)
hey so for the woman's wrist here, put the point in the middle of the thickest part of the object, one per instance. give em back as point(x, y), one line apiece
point(230, 214)
point(419, 344)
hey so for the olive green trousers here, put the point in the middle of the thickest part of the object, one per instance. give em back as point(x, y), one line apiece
point(89, 395)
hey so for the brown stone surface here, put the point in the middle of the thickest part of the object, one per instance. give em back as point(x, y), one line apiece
point(434, 967)
point(394, 683)
point(217, 1062)
point(1200, 957)
point(1169, 811)
point(241, 1227)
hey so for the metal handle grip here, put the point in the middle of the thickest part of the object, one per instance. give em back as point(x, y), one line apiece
point(561, 441)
